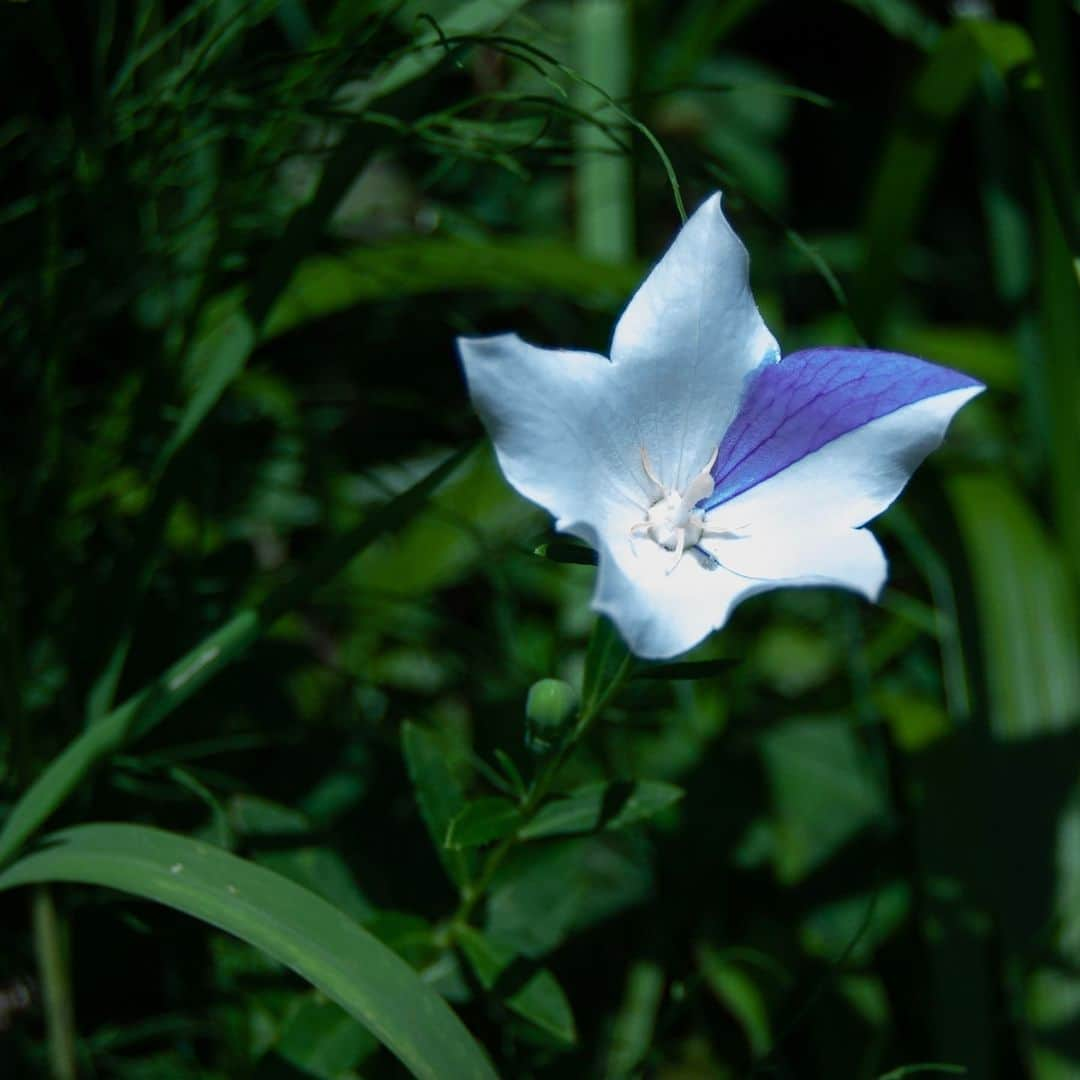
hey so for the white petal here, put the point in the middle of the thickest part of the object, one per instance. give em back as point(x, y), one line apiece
point(555, 423)
point(685, 344)
point(851, 559)
point(661, 614)
point(849, 480)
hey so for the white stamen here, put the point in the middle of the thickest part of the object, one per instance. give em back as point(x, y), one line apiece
point(658, 488)
point(673, 521)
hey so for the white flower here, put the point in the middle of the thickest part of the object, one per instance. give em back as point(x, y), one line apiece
point(701, 466)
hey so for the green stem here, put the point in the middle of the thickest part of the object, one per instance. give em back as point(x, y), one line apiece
point(538, 791)
point(54, 972)
point(603, 180)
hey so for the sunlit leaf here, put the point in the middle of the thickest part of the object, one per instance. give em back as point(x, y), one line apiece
point(325, 284)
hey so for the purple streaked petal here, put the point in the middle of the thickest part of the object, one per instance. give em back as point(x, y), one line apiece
point(810, 398)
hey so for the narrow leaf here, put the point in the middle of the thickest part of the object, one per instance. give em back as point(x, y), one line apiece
point(326, 284)
point(438, 795)
point(289, 923)
point(635, 1024)
point(430, 45)
point(562, 551)
point(607, 663)
point(740, 995)
point(1027, 615)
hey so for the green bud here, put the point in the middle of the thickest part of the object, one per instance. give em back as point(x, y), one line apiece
point(549, 714)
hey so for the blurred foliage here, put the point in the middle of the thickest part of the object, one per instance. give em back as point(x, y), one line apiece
point(239, 237)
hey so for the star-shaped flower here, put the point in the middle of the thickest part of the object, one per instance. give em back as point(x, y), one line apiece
point(701, 466)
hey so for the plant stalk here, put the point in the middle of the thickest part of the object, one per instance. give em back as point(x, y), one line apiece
point(55, 975)
point(538, 791)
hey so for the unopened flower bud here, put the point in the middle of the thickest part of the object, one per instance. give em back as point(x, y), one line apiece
point(549, 714)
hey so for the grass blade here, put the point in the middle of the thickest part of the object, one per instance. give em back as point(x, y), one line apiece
point(1027, 617)
point(284, 920)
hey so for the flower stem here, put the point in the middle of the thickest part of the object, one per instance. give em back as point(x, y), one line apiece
point(54, 973)
point(538, 791)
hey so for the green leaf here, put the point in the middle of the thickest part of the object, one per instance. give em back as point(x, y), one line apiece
point(536, 995)
point(252, 815)
point(545, 892)
point(221, 348)
point(1053, 378)
point(854, 927)
point(430, 46)
point(482, 821)
point(823, 792)
point(326, 284)
point(321, 1039)
point(902, 19)
point(1006, 45)
point(1027, 610)
point(474, 509)
point(438, 794)
point(147, 708)
point(633, 1030)
point(564, 551)
point(325, 873)
point(511, 772)
point(290, 924)
point(740, 995)
point(612, 804)
point(607, 664)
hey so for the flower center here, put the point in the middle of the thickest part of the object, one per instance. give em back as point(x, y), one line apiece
point(669, 521)
point(673, 520)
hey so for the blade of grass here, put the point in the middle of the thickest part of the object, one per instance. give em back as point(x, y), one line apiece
point(326, 284)
point(1027, 614)
point(429, 47)
point(277, 916)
